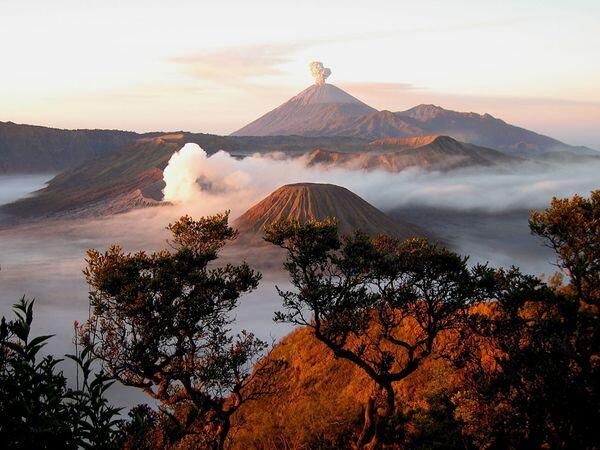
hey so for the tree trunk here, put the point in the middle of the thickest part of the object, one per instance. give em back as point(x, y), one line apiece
point(390, 400)
point(367, 431)
point(381, 419)
point(222, 433)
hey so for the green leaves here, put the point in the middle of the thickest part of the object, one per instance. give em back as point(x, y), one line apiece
point(203, 237)
point(97, 421)
point(36, 408)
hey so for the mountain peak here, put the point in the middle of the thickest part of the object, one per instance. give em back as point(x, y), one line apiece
point(424, 112)
point(427, 112)
point(319, 94)
point(310, 109)
point(325, 110)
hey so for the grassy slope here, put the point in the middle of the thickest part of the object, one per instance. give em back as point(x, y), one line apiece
point(321, 398)
point(136, 166)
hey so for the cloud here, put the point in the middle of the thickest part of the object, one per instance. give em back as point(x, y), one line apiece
point(236, 64)
point(193, 177)
point(240, 63)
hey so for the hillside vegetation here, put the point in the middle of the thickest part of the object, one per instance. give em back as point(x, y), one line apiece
point(399, 345)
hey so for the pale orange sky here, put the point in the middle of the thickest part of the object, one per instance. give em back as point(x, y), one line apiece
point(208, 67)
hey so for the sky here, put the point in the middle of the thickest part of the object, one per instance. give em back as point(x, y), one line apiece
point(208, 66)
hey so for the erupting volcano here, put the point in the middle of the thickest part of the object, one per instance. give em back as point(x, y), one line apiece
point(309, 110)
point(326, 110)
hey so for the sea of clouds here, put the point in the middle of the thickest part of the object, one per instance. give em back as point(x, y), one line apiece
point(192, 177)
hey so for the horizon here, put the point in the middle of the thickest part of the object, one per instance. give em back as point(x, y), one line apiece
point(164, 68)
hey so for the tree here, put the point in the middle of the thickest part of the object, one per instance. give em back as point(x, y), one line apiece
point(533, 362)
point(571, 227)
point(379, 303)
point(436, 427)
point(161, 322)
point(513, 363)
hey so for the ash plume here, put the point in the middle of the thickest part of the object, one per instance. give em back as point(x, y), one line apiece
point(319, 72)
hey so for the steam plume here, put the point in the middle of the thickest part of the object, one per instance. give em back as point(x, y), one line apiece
point(222, 181)
point(319, 72)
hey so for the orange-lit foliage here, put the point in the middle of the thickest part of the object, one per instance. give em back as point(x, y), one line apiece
point(321, 398)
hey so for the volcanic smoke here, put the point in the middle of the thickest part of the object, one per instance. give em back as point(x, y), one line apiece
point(194, 177)
point(319, 72)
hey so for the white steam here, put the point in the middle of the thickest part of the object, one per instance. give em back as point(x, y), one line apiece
point(221, 181)
point(319, 72)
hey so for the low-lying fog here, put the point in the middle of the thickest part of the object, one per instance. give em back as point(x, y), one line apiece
point(14, 187)
point(480, 214)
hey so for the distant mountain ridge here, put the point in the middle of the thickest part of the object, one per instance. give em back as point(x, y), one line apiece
point(331, 117)
point(487, 131)
point(138, 165)
point(36, 149)
point(440, 153)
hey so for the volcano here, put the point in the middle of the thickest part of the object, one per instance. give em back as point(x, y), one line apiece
point(324, 110)
point(316, 201)
point(306, 112)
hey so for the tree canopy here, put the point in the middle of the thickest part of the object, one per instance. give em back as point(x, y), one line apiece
point(162, 322)
point(379, 303)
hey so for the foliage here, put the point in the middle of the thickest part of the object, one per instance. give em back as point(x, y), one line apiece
point(435, 426)
point(161, 322)
point(344, 286)
point(37, 410)
point(96, 420)
point(32, 393)
point(571, 227)
point(532, 380)
point(140, 432)
point(459, 358)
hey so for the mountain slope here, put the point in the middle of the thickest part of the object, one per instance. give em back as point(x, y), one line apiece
point(328, 111)
point(376, 125)
point(36, 149)
point(31, 149)
point(315, 105)
point(320, 398)
point(138, 166)
point(426, 152)
point(134, 170)
point(315, 201)
point(485, 130)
